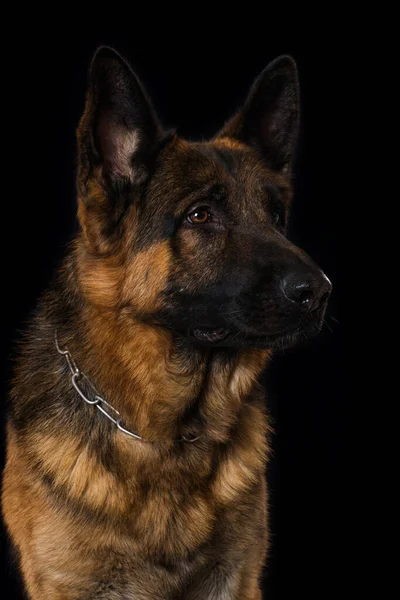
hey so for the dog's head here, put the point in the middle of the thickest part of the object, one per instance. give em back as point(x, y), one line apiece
point(191, 236)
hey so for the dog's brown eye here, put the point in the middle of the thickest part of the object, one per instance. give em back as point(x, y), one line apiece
point(276, 218)
point(199, 216)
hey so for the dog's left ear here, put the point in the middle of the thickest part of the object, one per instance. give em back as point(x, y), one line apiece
point(269, 119)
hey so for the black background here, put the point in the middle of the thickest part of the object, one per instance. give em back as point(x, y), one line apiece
point(196, 82)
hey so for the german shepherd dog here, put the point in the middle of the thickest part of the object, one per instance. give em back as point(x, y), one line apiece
point(137, 435)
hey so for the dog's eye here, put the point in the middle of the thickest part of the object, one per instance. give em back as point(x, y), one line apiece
point(276, 218)
point(199, 216)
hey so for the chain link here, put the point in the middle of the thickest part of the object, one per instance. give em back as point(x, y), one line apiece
point(98, 401)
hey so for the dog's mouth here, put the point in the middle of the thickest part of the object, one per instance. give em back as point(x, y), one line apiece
point(247, 335)
point(206, 334)
point(278, 340)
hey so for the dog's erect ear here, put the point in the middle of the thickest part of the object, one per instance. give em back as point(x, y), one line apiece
point(119, 127)
point(119, 136)
point(269, 118)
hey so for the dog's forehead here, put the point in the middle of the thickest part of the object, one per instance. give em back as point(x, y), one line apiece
point(195, 165)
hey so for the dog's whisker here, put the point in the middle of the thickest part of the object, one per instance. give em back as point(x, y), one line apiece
point(328, 327)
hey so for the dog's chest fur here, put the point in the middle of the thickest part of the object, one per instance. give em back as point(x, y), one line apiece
point(163, 544)
point(111, 517)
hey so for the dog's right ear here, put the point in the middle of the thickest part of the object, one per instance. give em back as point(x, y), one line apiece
point(119, 125)
point(117, 137)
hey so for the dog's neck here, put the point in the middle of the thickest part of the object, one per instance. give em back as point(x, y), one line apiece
point(164, 391)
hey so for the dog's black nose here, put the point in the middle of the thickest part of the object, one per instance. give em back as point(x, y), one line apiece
point(308, 290)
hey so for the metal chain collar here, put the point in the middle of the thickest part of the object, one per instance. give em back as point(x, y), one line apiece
point(98, 401)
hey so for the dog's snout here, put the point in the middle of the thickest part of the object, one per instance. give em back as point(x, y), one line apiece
point(308, 290)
